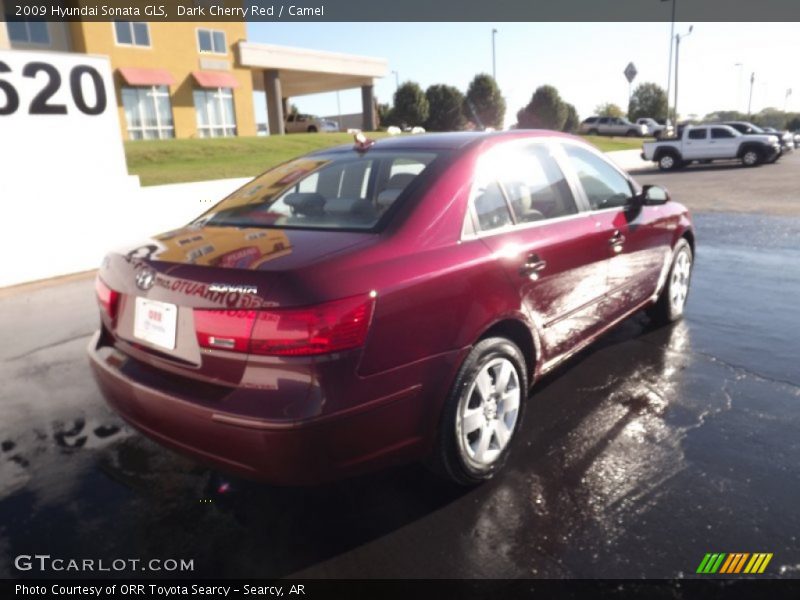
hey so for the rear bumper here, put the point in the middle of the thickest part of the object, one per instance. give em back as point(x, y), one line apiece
point(393, 428)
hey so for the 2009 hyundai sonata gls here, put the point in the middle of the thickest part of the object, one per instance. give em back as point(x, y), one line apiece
point(387, 302)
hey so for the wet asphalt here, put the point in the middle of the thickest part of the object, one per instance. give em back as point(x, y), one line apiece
point(643, 453)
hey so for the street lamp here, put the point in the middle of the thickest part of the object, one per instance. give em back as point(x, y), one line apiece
point(494, 64)
point(396, 80)
point(678, 38)
point(750, 101)
point(671, 39)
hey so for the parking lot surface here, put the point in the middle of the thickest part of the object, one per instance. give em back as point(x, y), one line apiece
point(644, 452)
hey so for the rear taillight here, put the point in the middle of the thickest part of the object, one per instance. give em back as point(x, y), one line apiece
point(107, 298)
point(322, 329)
point(224, 329)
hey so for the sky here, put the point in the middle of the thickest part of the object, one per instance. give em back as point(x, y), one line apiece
point(584, 61)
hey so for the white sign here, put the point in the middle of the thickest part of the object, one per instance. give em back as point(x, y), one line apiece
point(155, 322)
point(62, 163)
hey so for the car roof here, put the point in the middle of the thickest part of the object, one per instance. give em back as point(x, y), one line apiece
point(450, 141)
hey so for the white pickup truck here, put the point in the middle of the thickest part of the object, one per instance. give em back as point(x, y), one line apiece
point(704, 143)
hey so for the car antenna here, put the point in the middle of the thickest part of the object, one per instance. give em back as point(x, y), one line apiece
point(362, 142)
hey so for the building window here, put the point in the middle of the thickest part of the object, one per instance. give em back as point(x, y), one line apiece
point(215, 114)
point(210, 40)
point(29, 32)
point(148, 112)
point(132, 33)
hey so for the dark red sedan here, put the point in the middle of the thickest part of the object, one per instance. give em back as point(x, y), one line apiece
point(388, 302)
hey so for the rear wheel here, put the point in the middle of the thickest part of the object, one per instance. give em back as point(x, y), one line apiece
point(751, 157)
point(482, 413)
point(312, 129)
point(672, 300)
point(593, 132)
point(668, 162)
point(630, 133)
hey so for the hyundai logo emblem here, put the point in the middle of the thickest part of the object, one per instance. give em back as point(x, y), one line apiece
point(145, 279)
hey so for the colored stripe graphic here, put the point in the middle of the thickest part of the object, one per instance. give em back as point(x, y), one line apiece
point(726, 564)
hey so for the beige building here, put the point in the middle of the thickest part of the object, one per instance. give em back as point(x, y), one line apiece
point(192, 79)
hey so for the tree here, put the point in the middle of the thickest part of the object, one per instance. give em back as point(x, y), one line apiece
point(410, 105)
point(546, 110)
point(647, 100)
point(609, 110)
point(384, 114)
point(484, 103)
point(793, 124)
point(445, 108)
point(573, 120)
point(293, 110)
point(725, 115)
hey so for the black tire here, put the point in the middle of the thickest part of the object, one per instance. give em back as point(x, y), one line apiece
point(592, 132)
point(669, 161)
point(449, 459)
point(631, 133)
point(665, 310)
point(752, 157)
point(312, 129)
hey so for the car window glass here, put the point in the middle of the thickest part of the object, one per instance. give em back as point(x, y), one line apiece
point(322, 192)
point(534, 184)
point(491, 207)
point(605, 187)
point(697, 134)
point(719, 132)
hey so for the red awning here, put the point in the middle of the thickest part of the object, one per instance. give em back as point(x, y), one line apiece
point(215, 79)
point(137, 76)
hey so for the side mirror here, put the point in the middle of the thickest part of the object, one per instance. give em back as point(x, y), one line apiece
point(651, 195)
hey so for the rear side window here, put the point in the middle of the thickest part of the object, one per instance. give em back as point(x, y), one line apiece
point(591, 120)
point(605, 187)
point(335, 191)
point(697, 134)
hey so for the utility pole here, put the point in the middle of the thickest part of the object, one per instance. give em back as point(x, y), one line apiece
point(396, 80)
point(750, 102)
point(677, 61)
point(739, 86)
point(786, 99)
point(494, 63)
point(671, 40)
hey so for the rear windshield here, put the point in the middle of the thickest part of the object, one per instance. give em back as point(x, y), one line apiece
point(326, 191)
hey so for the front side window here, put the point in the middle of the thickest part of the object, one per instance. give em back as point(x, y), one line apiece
point(345, 190)
point(215, 114)
point(148, 112)
point(720, 133)
point(605, 187)
point(211, 40)
point(28, 32)
point(132, 33)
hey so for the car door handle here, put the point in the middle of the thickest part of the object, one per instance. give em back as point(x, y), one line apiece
point(616, 240)
point(533, 265)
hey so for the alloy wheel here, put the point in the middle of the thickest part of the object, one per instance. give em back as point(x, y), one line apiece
point(487, 413)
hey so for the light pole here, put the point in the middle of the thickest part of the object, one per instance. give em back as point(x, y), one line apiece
point(396, 80)
point(739, 86)
point(786, 99)
point(678, 38)
point(750, 102)
point(494, 63)
point(671, 40)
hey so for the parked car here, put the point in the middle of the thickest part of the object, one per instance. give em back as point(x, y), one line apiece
point(706, 143)
point(747, 128)
point(612, 126)
point(796, 140)
point(654, 128)
point(387, 302)
point(786, 138)
point(300, 123)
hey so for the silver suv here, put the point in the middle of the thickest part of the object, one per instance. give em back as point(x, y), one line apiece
point(612, 126)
